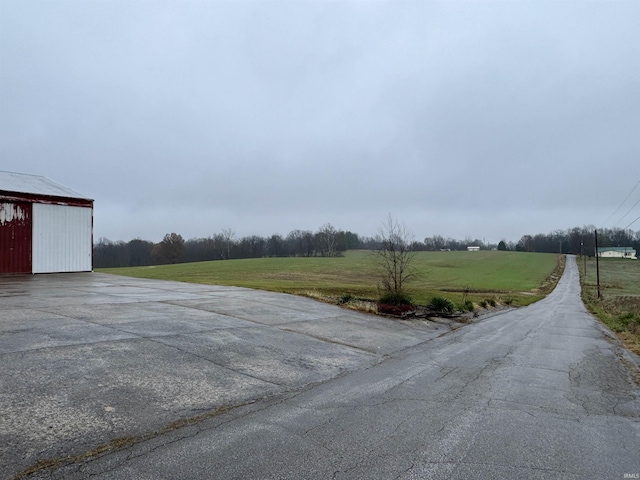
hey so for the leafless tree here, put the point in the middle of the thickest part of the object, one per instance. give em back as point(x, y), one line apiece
point(394, 256)
point(228, 235)
point(327, 239)
point(275, 245)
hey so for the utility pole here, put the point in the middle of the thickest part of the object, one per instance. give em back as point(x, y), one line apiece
point(597, 265)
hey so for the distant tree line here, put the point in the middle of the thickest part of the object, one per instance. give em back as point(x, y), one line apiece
point(326, 242)
point(578, 241)
point(330, 242)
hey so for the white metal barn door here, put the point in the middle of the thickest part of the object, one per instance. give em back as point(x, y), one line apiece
point(62, 238)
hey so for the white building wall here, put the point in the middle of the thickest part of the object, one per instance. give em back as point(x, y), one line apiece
point(62, 238)
point(630, 253)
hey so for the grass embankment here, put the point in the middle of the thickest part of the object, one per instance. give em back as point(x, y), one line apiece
point(507, 277)
point(619, 307)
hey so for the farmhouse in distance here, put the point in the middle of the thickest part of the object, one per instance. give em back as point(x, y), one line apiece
point(617, 252)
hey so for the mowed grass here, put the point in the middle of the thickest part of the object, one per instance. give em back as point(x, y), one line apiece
point(618, 276)
point(619, 307)
point(455, 275)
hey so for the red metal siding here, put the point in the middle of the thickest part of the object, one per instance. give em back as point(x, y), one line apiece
point(15, 237)
point(34, 198)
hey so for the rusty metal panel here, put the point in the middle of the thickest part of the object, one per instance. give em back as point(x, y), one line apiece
point(15, 237)
point(62, 238)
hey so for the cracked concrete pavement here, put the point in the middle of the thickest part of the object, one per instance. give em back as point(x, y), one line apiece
point(89, 358)
point(542, 392)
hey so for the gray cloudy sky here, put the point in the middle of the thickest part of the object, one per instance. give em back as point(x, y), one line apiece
point(488, 119)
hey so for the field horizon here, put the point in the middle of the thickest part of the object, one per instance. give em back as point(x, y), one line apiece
point(511, 277)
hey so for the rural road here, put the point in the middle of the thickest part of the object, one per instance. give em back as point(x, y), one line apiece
point(89, 359)
point(539, 392)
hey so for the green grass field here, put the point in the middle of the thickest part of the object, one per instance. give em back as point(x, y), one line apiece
point(516, 276)
point(618, 276)
point(619, 307)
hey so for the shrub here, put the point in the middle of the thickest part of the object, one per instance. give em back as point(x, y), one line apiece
point(345, 298)
point(394, 257)
point(483, 303)
point(492, 302)
point(508, 301)
point(468, 306)
point(441, 304)
point(395, 299)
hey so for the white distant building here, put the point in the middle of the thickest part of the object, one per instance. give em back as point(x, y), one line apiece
point(473, 248)
point(617, 252)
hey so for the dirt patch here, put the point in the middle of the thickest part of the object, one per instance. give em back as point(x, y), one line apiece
point(631, 341)
point(552, 280)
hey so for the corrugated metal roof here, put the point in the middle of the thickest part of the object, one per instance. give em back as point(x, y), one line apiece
point(35, 185)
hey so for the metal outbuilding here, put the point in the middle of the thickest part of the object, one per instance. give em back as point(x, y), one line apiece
point(45, 227)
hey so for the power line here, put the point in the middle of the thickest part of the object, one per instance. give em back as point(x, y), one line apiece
point(632, 207)
point(632, 223)
point(620, 206)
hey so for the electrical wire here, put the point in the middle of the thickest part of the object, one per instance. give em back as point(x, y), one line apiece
point(631, 223)
point(632, 207)
point(620, 206)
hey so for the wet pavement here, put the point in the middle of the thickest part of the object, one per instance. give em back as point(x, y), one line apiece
point(89, 358)
point(542, 392)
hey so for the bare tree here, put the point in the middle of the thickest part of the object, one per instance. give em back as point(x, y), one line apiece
point(275, 245)
point(394, 257)
point(301, 243)
point(139, 252)
point(327, 240)
point(228, 235)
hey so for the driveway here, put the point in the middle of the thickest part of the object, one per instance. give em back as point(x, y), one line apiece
point(89, 358)
point(542, 392)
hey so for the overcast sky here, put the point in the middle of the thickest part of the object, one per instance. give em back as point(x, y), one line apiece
point(483, 119)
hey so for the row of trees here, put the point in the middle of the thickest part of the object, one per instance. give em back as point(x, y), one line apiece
point(577, 241)
point(326, 242)
point(330, 242)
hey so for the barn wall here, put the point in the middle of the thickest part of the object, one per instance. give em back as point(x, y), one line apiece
point(62, 238)
point(15, 237)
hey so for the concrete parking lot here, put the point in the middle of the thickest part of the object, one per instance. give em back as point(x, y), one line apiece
point(88, 358)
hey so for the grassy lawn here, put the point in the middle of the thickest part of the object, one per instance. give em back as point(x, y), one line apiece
point(619, 307)
point(509, 276)
point(618, 276)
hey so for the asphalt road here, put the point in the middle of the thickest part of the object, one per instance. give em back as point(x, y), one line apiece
point(540, 392)
point(88, 359)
